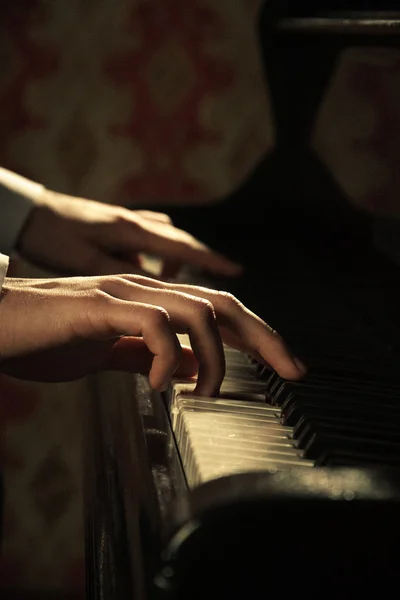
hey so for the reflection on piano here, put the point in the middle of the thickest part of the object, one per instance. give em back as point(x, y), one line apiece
point(275, 487)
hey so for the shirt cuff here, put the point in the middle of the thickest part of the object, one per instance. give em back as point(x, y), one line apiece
point(18, 196)
point(4, 260)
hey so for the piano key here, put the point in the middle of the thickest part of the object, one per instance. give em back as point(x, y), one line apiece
point(238, 448)
point(244, 373)
point(216, 437)
point(250, 429)
point(231, 388)
point(225, 436)
point(248, 409)
point(279, 390)
point(358, 400)
point(321, 443)
point(351, 382)
point(206, 424)
point(310, 426)
point(265, 432)
point(349, 419)
point(300, 406)
point(214, 411)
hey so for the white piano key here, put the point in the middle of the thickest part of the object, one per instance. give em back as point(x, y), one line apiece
point(243, 447)
point(248, 392)
point(236, 435)
point(202, 426)
point(251, 390)
point(210, 447)
point(236, 432)
point(248, 424)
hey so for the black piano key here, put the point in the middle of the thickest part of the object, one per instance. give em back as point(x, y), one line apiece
point(294, 410)
point(278, 390)
point(303, 433)
point(322, 443)
point(363, 378)
point(375, 366)
point(306, 421)
point(356, 405)
point(381, 398)
point(293, 413)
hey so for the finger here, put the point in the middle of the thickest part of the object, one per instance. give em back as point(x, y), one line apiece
point(255, 336)
point(152, 323)
point(252, 334)
point(192, 252)
point(131, 355)
point(169, 242)
point(206, 343)
point(189, 314)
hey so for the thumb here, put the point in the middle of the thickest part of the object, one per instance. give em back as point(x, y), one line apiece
point(131, 354)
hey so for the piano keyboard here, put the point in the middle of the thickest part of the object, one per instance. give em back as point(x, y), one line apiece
point(345, 413)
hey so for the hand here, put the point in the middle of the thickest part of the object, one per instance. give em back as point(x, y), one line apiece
point(77, 236)
point(63, 329)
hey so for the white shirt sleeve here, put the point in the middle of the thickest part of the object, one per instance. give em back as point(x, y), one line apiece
point(3, 268)
point(17, 198)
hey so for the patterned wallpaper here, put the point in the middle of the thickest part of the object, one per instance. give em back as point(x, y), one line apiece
point(134, 101)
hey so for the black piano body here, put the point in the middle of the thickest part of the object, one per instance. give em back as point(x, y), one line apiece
point(330, 531)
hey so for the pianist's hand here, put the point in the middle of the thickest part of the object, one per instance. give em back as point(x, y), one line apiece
point(63, 329)
point(74, 236)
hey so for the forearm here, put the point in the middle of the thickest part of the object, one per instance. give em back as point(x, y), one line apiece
point(18, 195)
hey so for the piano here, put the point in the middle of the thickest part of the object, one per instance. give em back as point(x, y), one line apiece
point(275, 487)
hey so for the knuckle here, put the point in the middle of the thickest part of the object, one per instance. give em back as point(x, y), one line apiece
point(229, 302)
point(111, 283)
point(158, 317)
point(204, 310)
point(123, 220)
point(121, 216)
point(99, 295)
point(96, 310)
point(160, 215)
point(228, 298)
